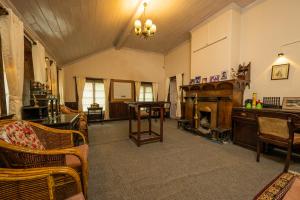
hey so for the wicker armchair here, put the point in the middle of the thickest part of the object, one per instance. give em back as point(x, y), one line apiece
point(83, 122)
point(59, 150)
point(38, 183)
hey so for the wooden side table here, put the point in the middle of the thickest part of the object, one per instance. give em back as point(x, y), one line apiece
point(143, 137)
point(95, 114)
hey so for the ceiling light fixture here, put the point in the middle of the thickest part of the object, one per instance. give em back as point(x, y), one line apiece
point(144, 27)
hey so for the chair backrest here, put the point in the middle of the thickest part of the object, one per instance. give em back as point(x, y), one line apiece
point(12, 152)
point(20, 133)
point(33, 184)
point(274, 126)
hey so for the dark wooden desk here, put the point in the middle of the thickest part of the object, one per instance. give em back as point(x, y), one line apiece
point(142, 137)
point(95, 114)
point(244, 123)
point(62, 121)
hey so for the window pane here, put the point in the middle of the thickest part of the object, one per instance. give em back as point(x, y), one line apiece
point(99, 86)
point(87, 98)
point(148, 89)
point(100, 95)
point(148, 97)
point(141, 97)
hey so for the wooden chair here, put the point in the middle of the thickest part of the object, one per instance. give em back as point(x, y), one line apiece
point(277, 131)
point(83, 121)
point(36, 184)
point(59, 150)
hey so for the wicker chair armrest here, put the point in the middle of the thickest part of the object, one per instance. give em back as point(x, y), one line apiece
point(27, 174)
point(81, 135)
point(59, 131)
point(16, 148)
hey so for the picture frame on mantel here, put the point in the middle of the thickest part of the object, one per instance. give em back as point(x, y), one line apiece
point(291, 103)
point(280, 72)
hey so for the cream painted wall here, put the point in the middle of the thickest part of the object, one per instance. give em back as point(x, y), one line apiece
point(178, 60)
point(126, 64)
point(266, 25)
point(215, 43)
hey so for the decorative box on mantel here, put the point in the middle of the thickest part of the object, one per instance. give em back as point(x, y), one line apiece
point(215, 101)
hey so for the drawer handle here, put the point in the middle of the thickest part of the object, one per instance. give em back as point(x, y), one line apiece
point(244, 114)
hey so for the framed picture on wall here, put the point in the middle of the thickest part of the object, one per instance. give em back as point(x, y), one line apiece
point(122, 90)
point(291, 103)
point(280, 72)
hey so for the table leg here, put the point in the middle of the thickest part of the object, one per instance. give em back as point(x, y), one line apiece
point(138, 126)
point(149, 119)
point(161, 124)
point(130, 127)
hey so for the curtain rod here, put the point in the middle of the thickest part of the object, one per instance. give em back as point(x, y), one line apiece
point(27, 35)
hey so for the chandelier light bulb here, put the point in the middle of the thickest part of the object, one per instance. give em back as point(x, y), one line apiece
point(153, 28)
point(144, 27)
point(137, 31)
point(138, 24)
point(148, 23)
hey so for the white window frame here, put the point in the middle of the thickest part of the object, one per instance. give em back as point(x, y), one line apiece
point(143, 87)
point(94, 81)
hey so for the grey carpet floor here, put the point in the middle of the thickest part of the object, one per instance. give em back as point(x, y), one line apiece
point(183, 167)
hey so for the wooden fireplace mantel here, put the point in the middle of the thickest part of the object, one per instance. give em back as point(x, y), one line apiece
point(227, 94)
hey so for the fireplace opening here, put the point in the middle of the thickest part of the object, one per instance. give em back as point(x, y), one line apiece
point(204, 122)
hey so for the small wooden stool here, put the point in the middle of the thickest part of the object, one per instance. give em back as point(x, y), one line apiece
point(182, 123)
point(221, 134)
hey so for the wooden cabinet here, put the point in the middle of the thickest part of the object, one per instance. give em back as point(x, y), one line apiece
point(244, 125)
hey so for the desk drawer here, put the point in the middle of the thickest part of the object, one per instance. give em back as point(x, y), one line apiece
point(244, 114)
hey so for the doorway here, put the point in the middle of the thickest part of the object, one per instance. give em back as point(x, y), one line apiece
point(173, 97)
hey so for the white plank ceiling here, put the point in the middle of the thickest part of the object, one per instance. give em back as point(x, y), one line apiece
point(73, 29)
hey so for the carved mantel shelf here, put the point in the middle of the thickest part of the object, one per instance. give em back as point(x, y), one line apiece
point(233, 83)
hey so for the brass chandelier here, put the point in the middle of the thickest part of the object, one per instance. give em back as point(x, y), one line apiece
point(146, 29)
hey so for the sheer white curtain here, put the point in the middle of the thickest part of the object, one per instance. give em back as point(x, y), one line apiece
point(80, 82)
point(12, 34)
point(178, 101)
point(167, 86)
point(137, 85)
point(48, 75)
point(53, 75)
point(106, 83)
point(155, 91)
point(39, 63)
point(61, 82)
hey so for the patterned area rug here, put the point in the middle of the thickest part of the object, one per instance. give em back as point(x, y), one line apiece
point(278, 188)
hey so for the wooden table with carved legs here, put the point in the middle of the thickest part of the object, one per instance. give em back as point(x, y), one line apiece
point(142, 137)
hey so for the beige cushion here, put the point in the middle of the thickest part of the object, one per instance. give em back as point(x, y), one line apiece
point(294, 191)
point(77, 197)
point(274, 127)
point(74, 161)
point(297, 138)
